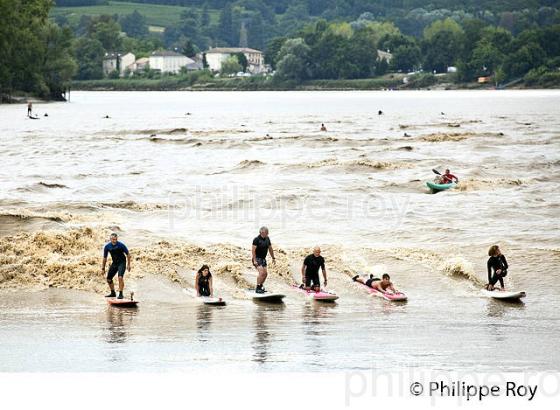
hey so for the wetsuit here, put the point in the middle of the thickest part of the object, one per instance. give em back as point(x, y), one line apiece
point(448, 178)
point(204, 284)
point(262, 245)
point(495, 263)
point(313, 263)
point(118, 252)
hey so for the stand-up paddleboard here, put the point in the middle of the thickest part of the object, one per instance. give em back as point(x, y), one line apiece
point(207, 300)
point(440, 187)
point(269, 297)
point(125, 302)
point(503, 295)
point(322, 295)
point(393, 297)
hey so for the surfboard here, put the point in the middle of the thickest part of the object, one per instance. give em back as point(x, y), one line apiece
point(393, 297)
point(270, 297)
point(207, 300)
point(122, 302)
point(503, 295)
point(321, 296)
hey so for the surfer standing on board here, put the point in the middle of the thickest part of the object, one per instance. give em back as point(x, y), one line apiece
point(381, 285)
point(118, 250)
point(497, 267)
point(310, 270)
point(203, 282)
point(261, 247)
point(29, 108)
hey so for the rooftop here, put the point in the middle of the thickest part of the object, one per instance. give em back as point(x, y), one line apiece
point(232, 50)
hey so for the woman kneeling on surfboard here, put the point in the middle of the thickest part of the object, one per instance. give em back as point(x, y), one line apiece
point(497, 267)
point(381, 285)
point(203, 282)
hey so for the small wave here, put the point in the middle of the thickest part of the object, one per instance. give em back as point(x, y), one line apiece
point(135, 206)
point(249, 164)
point(456, 136)
point(467, 185)
point(53, 185)
point(355, 165)
point(26, 215)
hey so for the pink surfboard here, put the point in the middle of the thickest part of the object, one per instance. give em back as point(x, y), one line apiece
point(320, 296)
point(394, 297)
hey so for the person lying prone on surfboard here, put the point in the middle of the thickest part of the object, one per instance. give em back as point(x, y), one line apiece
point(383, 285)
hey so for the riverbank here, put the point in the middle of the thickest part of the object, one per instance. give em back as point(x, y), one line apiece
point(395, 81)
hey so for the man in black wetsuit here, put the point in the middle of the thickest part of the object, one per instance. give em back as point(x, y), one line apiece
point(310, 270)
point(119, 257)
point(261, 247)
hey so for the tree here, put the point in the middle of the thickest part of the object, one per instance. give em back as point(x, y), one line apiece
point(188, 48)
point(406, 57)
point(293, 61)
point(230, 66)
point(58, 65)
point(89, 54)
point(242, 60)
point(226, 24)
point(107, 31)
point(134, 24)
point(443, 44)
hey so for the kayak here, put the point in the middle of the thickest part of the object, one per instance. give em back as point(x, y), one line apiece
point(440, 187)
point(322, 295)
point(393, 297)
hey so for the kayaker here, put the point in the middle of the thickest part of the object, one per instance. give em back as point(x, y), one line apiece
point(448, 178)
point(261, 247)
point(382, 285)
point(310, 270)
point(497, 267)
point(203, 282)
point(118, 250)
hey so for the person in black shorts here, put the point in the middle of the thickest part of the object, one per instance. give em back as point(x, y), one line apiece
point(310, 270)
point(261, 247)
point(119, 257)
point(383, 285)
point(203, 281)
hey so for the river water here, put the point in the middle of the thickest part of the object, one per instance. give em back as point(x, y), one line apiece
point(187, 178)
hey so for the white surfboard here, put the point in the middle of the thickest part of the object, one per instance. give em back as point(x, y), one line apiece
point(207, 300)
point(498, 294)
point(270, 297)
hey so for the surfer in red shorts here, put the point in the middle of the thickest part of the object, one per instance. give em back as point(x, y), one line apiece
point(383, 285)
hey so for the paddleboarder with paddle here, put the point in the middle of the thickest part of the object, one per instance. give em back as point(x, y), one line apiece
point(119, 258)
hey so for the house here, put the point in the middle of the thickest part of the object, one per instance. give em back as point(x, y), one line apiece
point(168, 61)
point(384, 55)
point(127, 63)
point(255, 58)
point(117, 62)
point(141, 64)
point(110, 63)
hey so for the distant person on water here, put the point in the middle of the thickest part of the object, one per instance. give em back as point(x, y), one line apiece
point(120, 261)
point(261, 248)
point(448, 178)
point(497, 267)
point(382, 285)
point(323, 128)
point(203, 282)
point(29, 108)
point(310, 270)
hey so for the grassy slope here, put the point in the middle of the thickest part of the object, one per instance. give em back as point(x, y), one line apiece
point(156, 15)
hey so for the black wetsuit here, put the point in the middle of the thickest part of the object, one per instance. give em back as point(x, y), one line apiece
point(261, 251)
point(313, 263)
point(204, 284)
point(371, 280)
point(497, 263)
